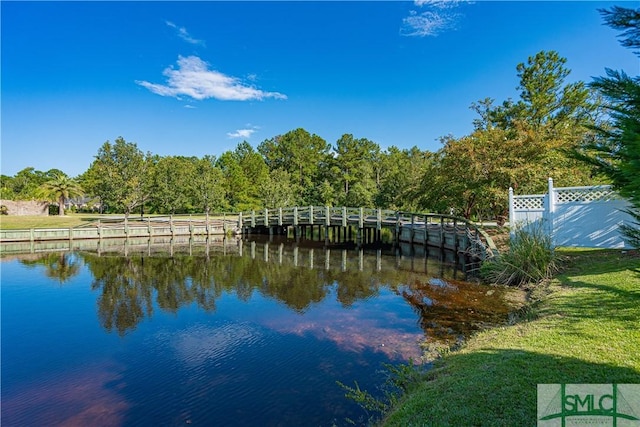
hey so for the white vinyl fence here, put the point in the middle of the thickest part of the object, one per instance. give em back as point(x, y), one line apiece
point(574, 216)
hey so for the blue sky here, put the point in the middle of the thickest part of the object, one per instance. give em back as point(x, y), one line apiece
point(196, 78)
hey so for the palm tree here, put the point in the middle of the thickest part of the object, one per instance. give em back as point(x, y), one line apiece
point(61, 188)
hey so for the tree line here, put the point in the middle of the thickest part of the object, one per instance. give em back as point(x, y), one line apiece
point(577, 133)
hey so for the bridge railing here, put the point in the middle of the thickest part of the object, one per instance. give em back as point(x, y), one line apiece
point(317, 215)
point(480, 243)
point(433, 227)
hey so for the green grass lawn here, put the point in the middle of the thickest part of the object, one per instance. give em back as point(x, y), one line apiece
point(11, 222)
point(585, 328)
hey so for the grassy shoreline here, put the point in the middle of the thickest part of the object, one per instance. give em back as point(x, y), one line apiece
point(15, 222)
point(583, 328)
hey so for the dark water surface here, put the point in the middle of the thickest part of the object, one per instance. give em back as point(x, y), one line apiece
point(243, 333)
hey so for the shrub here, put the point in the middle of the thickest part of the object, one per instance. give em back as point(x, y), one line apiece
point(530, 259)
point(4, 210)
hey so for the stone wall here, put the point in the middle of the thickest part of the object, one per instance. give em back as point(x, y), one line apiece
point(26, 207)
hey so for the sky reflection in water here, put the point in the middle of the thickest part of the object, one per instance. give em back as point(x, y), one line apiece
point(254, 336)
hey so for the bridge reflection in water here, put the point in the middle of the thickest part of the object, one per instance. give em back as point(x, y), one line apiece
point(298, 252)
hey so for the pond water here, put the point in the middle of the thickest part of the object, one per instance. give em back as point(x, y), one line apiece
point(231, 334)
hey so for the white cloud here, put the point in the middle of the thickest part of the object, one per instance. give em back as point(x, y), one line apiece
point(242, 133)
point(440, 4)
point(184, 35)
point(440, 16)
point(193, 78)
point(427, 24)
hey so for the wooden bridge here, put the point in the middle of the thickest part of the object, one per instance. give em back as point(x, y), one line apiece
point(331, 224)
point(364, 226)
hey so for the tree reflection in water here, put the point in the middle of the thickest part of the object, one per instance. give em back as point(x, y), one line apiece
point(57, 265)
point(131, 286)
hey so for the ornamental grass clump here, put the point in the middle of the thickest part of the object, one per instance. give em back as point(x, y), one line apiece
point(530, 259)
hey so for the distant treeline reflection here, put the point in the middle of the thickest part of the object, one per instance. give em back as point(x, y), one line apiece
point(130, 287)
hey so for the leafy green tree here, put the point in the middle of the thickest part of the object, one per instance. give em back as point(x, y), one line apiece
point(353, 167)
point(251, 162)
point(172, 187)
point(60, 189)
point(120, 176)
point(470, 176)
point(6, 187)
point(277, 190)
point(546, 100)
point(24, 185)
point(301, 154)
point(236, 184)
point(208, 185)
point(399, 174)
point(517, 144)
point(244, 169)
point(616, 151)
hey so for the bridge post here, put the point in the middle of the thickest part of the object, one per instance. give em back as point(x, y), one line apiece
point(311, 219)
point(224, 224)
point(455, 235)
point(413, 228)
point(441, 233)
point(296, 229)
point(327, 224)
point(361, 226)
point(426, 232)
point(396, 237)
point(240, 223)
point(253, 219)
point(280, 217)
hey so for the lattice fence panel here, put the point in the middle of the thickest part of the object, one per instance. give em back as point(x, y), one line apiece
point(528, 202)
point(602, 193)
